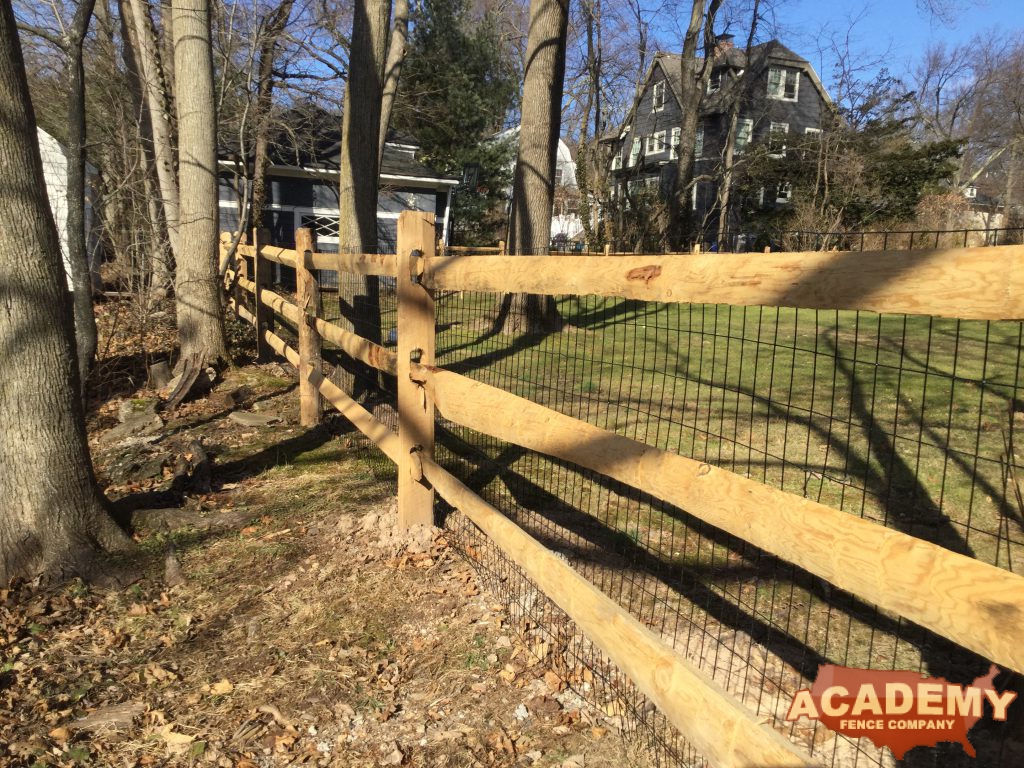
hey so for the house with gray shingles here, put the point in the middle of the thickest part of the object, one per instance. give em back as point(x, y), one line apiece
point(781, 100)
point(302, 189)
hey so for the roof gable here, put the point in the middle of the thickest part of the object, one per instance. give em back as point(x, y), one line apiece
point(761, 57)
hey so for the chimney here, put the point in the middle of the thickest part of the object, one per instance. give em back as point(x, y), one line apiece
point(723, 43)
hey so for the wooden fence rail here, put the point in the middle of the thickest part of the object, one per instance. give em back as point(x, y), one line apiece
point(976, 605)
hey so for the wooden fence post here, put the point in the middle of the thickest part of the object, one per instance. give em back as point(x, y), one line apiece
point(223, 245)
point(415, 344)
point(307, 296)
point(262, 277)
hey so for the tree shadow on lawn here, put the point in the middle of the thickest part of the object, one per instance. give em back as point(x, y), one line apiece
point(618, 561)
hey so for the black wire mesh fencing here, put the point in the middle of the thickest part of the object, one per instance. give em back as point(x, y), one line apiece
point(912, 422)
point(907, 421)
point(745, 241)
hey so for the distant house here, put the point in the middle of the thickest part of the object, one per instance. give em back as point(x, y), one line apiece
point(781, 101)
point(55, 175)
point(302, 191)
point(565, 221)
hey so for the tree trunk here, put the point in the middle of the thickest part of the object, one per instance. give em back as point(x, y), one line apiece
point(196, 287)
point(358, 174)
point(157, 100)
point(533, 186)
point(156, 274)
point(273, 28)
point(393, 70)
point(729, 155)
point(693, 83)
point(78, 252)
point(360, 131)
point(54, 521)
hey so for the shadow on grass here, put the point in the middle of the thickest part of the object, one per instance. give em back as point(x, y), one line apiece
point(656, 587)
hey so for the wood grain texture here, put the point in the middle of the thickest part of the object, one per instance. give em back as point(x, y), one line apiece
point(356, 263)
point(415, 324)
point(721, 729)
point(242, 311)
point(262, 279)
point(307, 296)
point(977, 605)
point(968, 283)
point(374, 355)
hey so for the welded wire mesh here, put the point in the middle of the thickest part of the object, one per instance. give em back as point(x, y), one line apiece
point(912, 422)
point(907, 421)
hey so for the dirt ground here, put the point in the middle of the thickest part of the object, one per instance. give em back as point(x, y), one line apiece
point(274, 619)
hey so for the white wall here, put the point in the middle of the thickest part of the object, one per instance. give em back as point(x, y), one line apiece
point(55, 174)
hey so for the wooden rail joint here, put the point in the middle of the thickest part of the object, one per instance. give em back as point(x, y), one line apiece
point(416, 464)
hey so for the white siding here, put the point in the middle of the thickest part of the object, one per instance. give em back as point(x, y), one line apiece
point(55, 174)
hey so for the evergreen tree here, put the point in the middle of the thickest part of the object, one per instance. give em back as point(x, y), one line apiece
point(458, 84)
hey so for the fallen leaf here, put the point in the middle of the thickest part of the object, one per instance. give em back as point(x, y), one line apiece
point(221, 687)
point(177, 743)
point(60, 735)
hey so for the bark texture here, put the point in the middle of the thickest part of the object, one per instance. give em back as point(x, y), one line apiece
point(393, 70)
point(196, 286)
point(359, 170)
point(359, 167)
point(78, 251)
point(157, 93)
point(694, 78)
point(533, 186)
point(273, 27)
point(53, 519)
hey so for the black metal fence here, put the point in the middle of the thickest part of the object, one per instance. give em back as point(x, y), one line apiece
point(912, 422)
point(868, 240)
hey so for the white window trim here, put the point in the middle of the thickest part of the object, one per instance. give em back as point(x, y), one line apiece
point(784, 194)
point(673, 147)
point(656, 143)
point(784, 74)
point(693, 196)
point(739, 148)
point(698, 142)
point(713, 81)
point(634, 151)
point(658, 90)
point(812, 131)
point(772, 132)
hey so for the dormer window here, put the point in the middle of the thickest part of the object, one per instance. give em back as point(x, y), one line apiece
point(658, 96)
point(715, 81)
point(783, 84)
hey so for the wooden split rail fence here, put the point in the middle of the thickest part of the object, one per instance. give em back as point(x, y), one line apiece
point(976, 605)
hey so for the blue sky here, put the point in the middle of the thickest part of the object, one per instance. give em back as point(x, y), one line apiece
point(898, 27)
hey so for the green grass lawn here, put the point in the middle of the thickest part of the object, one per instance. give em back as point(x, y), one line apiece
point(903, 420)
point(907, 421)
